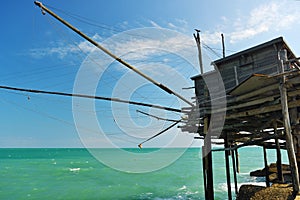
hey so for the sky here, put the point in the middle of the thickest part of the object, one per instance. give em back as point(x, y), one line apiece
point(38, 52)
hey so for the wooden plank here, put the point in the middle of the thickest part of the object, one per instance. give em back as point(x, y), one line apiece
point(254, 82)
point(257, 92)
point(262, 110)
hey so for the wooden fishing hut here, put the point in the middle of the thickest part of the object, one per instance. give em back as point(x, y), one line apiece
point(250, 98)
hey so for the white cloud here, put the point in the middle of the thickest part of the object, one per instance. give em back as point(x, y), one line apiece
point(181, 21)
point(149, 46)
point(134, 45)
point(61, 49)
point(272, 16)
point(154, 24)
point(211, 38)
point(171, 25)
point(224, 19)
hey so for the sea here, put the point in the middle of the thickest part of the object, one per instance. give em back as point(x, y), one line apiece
point(71, 173)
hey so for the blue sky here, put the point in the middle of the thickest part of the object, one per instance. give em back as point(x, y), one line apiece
point(38, 52)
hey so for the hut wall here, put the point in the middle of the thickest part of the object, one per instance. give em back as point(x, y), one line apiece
point(207, 83)
point(238, 69)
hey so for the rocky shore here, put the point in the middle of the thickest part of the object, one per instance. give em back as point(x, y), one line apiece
point(277, 191)
point(273, 173)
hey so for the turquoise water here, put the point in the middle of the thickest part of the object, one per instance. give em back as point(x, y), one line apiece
point(75, 174)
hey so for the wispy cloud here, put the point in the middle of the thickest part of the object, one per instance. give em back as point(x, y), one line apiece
point(171, 25)
point(144, 48)
point(154, 24)
point(267, 17)
point(61, 49)
point(137, 44)
point(274, 16)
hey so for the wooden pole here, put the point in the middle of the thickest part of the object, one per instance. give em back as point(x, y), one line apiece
point(266, 166)
point(207, 163)
point(278, 154)
point(210, 178)
point(198, 42)
point(204, 166)
point(227, 167)
point(234, 171)
point(296, 134)
point(223, 45)
point(106, 51)
point(279, 162)
point(237, 161)
point(288, 132)
point(89, 97)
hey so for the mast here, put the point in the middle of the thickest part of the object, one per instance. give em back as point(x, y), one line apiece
point(198, 42)
point(161, 86)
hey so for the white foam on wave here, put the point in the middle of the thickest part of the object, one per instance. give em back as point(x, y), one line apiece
point(74, 169)
point(223, 186)
point(183, 187)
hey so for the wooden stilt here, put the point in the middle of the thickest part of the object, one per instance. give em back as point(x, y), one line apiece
point(237, 161)
point(266, 166)
point(278, 154)
point(208, 171)
point(234, 171)
point(210, 182)
point(279, 162)
point(204, 165)
point(207, 164)
point(227, 167)
point(296, 135)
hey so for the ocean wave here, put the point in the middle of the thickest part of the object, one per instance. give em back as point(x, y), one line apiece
point(74, 169)
point(222, 187)
point(183, 188)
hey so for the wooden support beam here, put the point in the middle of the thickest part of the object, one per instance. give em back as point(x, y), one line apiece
point(248, 143)
point(204, 165)
point(237, 160)
point(266, 166)
point(226, 145)
point(262, 110)
point(256, 92)
point(278, 154)
point(207, 163)
point(296, 134)
point(279, 162)
point(234, 171)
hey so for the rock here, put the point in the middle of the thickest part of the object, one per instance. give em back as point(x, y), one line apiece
point(248, 191)
point(275, 192)
point(258, 173)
